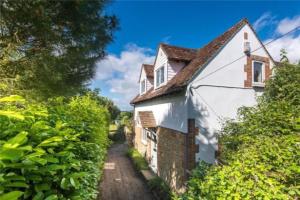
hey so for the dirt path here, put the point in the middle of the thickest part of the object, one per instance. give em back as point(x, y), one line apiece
point(120, 180)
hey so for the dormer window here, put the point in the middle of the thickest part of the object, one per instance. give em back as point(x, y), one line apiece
point(143, 86)
point(258, 73)
point(160, 76)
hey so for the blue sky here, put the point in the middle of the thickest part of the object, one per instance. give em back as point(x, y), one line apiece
point(144, 24)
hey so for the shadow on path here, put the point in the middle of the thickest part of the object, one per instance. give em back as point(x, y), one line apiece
point(120, 180)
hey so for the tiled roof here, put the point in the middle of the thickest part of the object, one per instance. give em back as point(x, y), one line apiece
point(203, 56)
point(147, 119)
point(149, 70)
point(178, 53)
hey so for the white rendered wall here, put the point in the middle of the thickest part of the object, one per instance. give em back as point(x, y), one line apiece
point(211, 105)
point(169, 112)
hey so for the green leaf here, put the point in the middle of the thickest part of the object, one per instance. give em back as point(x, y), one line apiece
point(12, 114)
point(54, 140)
point(14, 195)
point(15, 178)
point(11, 154)
point(42, 187)
point(39, 160)
point(17, 184)
point(52, 197)
point(64, 184)
point(38, 196)
point(12, 98)
point(16, 141)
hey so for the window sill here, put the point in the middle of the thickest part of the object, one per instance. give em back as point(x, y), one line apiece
point(261, 85)
point(161, 85)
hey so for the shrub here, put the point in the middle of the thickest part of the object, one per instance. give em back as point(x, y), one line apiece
point(138, 160)
point(260, 154)
point(161, 190)
point(51, 151)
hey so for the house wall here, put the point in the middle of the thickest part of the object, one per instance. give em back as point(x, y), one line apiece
point(161, 60)
point(209, 105)
point(149, 82)
point(169, 112)
point(143, 148)
point(171, 157)
point(173, 68)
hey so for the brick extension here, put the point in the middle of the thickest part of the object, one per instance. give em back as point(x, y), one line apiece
point(248, 68)
point(176, 153)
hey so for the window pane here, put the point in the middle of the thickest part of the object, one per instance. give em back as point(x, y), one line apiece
point(257, 72)
point(143, 86)
point(157, 77)
point(162, 75)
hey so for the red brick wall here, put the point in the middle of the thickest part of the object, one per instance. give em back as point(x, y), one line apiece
point(248, 68)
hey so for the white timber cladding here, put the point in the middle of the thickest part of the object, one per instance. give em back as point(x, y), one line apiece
point(169, 112)
point(173, 68)
point(210, 105)
point(143, 77)
point(161, 60)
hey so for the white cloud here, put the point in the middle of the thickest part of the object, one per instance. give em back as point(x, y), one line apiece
point(290, 42)
point(121, 73)
point(288, 24)
point(264, 20)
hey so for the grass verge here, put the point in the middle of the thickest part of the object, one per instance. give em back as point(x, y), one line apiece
point(138, 160)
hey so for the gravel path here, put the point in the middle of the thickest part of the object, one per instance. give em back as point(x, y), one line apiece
point(120, 180)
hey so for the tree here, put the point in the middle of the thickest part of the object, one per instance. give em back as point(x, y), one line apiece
point(103, 101)
point(50, 48)
point(283, 55)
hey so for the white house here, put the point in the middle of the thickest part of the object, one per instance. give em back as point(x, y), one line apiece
point(186, 94)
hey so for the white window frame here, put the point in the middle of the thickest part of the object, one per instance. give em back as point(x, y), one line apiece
point(261, 84)
point(145, 82)
point(144, 136)
point(155, 81)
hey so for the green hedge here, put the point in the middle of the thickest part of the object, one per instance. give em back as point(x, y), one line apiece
point(260, 154)
point(51, 151)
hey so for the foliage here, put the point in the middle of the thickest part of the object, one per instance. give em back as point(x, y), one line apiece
point(51, 151)
point(126, 118)
point(161, 190)
point(260, 153)
point(138, 160)
point(50, 48)
point(118, 135)
point(103, 101)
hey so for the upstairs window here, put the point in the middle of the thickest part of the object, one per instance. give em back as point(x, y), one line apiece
point(143, 86)
point(258, 72)
point(160, 76)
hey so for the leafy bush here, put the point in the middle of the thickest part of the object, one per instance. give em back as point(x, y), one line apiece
point(138, 160)
point(161, 190)
point(260, 154)
point(51, 151)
